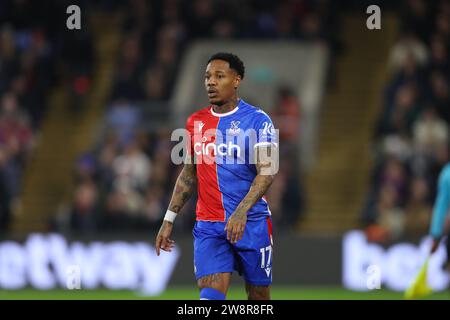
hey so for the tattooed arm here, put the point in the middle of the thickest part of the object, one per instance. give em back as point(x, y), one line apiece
point(184, 188)
point(266, 166)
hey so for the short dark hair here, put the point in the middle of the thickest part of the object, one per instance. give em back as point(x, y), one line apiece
point(233, 60)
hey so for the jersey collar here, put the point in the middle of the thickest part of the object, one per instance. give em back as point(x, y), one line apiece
point(226, 113)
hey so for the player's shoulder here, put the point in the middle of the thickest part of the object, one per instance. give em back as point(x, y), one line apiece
point(198, 115)
point(254, 112)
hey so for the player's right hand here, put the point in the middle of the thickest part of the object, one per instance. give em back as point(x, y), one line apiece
point(162, 239)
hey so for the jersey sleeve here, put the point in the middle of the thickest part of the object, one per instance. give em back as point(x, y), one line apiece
point(266, 134)
point(441, 205)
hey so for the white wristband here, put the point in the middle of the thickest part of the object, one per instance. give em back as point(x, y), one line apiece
point(170, 216)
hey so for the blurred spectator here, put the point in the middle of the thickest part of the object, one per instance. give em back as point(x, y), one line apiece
point(286, 195)
point(430, 131)
point(153, 210)
point(395, 178)
point(105, 159)
point(155, 83)
point(440, 95)
point(399, 116)
point(418, 209)
point(127, 201)
point(391, 215)
point(83, 214)
point(439, 55)
point(86, 167)
point(408, 46)
point(77, 61)
point(286, 115)
point(132, 168)
point(123, 118)
point(383, 211)
point(129, 70)
point(14, 126)
point(396, 146)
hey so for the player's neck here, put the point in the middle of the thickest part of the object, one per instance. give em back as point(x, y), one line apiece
point(227, 106)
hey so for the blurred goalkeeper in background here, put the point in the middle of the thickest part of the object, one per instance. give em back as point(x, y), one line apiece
point(440, 212)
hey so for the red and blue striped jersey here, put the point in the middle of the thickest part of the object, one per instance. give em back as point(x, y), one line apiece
point(222, 146)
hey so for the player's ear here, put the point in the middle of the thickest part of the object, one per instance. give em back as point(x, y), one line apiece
point(237, 81)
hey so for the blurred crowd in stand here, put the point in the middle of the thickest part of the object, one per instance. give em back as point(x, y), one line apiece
point(126, 180)
point(32, 50)
point(411, 138)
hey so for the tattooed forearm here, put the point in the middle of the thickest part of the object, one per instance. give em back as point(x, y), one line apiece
point(184, 188)
point(260, 184)
point(258, 188)
point(187, 177)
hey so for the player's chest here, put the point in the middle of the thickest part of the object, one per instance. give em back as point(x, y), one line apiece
point(224, 138)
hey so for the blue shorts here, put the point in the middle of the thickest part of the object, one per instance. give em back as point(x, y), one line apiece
point(250, 257)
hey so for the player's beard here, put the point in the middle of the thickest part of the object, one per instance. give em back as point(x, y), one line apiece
point(218, 103)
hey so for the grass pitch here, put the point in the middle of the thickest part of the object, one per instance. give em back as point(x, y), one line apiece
point(191, 293)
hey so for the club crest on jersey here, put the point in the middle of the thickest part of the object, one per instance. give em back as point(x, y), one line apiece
point(234, 127)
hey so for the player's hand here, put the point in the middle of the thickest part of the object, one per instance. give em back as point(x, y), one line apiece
point(235, 226)
point(435, 245)
point(162, 239)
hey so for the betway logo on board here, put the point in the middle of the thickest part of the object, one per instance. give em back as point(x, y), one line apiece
point(44, 262)
point(397, 265)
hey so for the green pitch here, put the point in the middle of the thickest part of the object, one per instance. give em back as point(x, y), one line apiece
point(190, 293)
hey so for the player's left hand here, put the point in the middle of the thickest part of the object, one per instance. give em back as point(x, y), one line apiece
point(162, 239)
point(235, 226)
